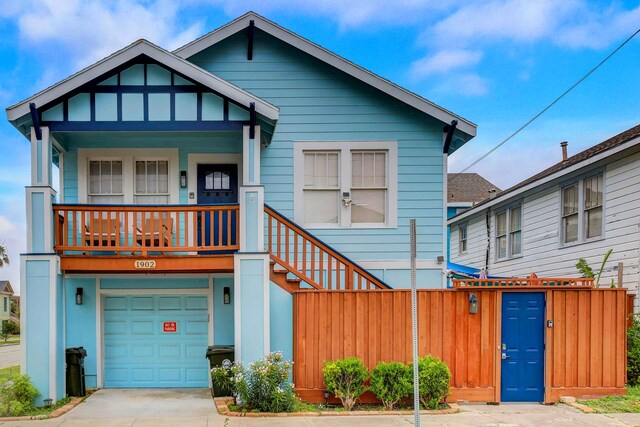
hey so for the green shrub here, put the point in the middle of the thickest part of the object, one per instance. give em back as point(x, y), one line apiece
point(263, 387)
point(345, 378)
point(633, 352)
point(433, 381)
point(16, 396)
point(391, 382)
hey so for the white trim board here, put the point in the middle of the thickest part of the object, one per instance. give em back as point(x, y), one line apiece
point(143, 47)
point(328, 57)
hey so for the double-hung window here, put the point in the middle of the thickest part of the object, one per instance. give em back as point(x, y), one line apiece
point(509, 233)
point(151, 182)
point(345, 184)
point(105, 181)
point(582, 210)
point(462, 239)
point(321, 187)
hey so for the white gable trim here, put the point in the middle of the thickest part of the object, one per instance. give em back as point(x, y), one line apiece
point(330, 58)
point(516, 193)
point(143, 47)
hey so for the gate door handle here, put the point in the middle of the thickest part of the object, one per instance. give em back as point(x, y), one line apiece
point(504, 356)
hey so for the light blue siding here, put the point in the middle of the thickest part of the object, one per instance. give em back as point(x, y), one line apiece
point(37, 319)
point(318, 102)
point(212, 107)
point(155, 283)
point(132, 107)
point(223, 326)
point(133, 76)
point(80, 108)
point(252, 302)
point(281, 320)
point(186, 107)
point(81, 324)
point(401, 279)
point(106, 107)
point(157, 75)
point(159, 107)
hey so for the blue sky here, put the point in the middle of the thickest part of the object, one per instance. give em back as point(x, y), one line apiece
point(494, 62)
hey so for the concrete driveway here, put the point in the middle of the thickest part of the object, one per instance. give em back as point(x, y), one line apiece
point(194, 408)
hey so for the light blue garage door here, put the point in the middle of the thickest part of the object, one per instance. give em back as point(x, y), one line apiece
point(155, 341)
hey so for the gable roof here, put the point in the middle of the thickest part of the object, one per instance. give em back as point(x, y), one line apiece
point(330, 58)
point(590, 155)
point(142, 47)
point(468, 187)
point(5, 287)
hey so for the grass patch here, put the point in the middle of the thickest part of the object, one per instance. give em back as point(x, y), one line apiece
point(7, 373)
point(46, 411)
point(627, 404)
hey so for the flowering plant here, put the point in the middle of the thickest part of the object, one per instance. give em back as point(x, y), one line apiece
point(263, 386)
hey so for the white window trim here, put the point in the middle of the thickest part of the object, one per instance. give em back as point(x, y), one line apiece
point(507, 210)
point(128, 157)
point(582, 217)
point(151, 159)
point(345, 148)
point(466, 228)
point(104, 159)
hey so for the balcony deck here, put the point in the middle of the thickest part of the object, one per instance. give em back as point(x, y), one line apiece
point(146, 239)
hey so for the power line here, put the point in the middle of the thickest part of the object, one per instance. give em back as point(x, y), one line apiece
point(521, 128)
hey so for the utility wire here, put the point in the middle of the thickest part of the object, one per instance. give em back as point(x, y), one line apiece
point(521, 128)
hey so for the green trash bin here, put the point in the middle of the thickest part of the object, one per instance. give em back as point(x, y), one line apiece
point(75, 371)
point(220, 355)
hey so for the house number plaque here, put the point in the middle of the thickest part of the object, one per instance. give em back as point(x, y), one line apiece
point(145, 264)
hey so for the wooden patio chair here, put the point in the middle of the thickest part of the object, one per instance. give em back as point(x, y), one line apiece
point(155, 231)
point(101, 233)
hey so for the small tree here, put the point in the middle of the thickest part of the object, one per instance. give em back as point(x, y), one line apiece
point(345, 379)
point(4, 330)
point(391, 382)
point(633, 352)
point(16, 396)
point(585, 269)
point(4, 257)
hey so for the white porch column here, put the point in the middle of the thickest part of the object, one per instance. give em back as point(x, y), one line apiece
point(250, 157)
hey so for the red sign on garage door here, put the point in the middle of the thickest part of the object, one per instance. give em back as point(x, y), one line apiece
point(169, 326)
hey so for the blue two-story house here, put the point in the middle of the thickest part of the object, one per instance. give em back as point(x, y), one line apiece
point(199, 188)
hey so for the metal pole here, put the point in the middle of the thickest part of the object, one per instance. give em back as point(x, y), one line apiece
point(414, 322)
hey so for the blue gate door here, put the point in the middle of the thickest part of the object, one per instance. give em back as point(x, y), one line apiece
point(522, 378)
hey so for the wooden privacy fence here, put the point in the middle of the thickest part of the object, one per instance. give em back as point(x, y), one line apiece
point(585, 349)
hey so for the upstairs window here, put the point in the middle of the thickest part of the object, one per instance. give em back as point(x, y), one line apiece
point(582, 210)
point(321, 187)
point(368, 187)
point(152, 182)
point(462, 239)
point(509, 233)
point(105, 181)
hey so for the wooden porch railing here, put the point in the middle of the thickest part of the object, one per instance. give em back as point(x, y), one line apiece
point(136, 229)
point(311, 260)
point(555, 282)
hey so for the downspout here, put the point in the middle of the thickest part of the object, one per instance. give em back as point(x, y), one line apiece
point(447, 132)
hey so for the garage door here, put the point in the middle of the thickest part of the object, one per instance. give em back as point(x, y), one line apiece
point(155, 341)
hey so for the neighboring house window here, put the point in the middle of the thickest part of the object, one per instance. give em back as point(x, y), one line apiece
point(509, 232)
point(462, 238)
point(346, 184)
point(105, 181)
point(5, 303)
point(321, 187)
point(151, 182)
point(582, 210)
point(368, 187)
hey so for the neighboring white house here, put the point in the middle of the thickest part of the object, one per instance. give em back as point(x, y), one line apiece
point(577, 208)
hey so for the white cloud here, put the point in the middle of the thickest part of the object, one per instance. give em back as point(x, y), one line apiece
point(466, 84)
point(88, 30)
point(443, 62)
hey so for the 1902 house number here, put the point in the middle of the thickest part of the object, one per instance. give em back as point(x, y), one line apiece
point(146, 264)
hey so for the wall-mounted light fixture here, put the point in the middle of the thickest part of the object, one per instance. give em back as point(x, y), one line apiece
point(473, 304)
point(79, 292)
point(226, 293)
point(48, 402)
point(183, 179)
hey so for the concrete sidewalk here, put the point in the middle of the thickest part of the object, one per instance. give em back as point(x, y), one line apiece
point(194, 408)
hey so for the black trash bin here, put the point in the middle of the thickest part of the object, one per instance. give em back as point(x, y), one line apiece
point(220, 355)
point(75, 371)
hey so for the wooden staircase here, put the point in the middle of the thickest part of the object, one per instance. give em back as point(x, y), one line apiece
point(300, 261)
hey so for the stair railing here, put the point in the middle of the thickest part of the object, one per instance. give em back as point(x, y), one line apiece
point(313, 261)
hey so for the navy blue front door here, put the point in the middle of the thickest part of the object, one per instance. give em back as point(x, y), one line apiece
point(217, 185)
point(522, 347)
